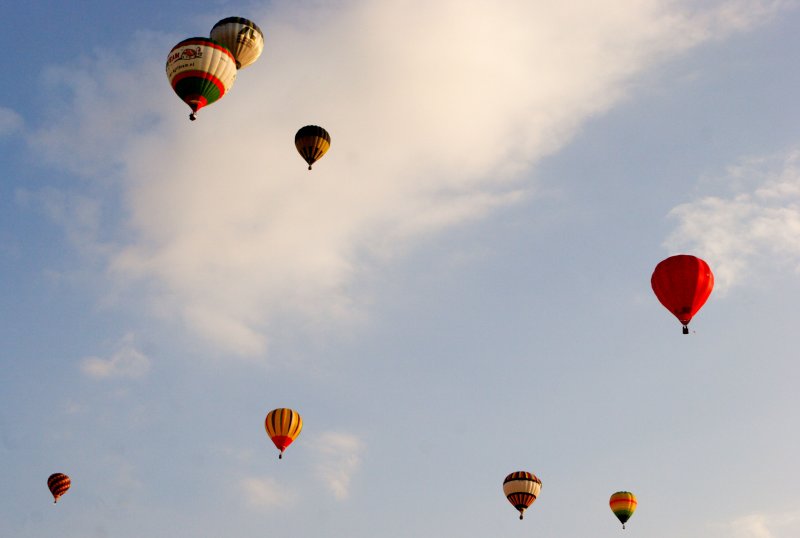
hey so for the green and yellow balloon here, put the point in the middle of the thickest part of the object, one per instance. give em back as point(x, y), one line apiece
point(623, 504)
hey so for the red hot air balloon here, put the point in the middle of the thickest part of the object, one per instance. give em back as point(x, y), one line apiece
point(682, 283)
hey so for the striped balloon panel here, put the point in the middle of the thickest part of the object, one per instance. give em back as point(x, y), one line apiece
point(283, 426)
point(312, 142)
point(242, 37)
point(522, 483)
point(520, 501)
point(58, 484)
point(623, 504)
point(200, 71)
point(522, 476)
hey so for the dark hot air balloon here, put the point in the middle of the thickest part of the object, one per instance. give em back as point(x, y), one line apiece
point(312, 142)
point(58, 483)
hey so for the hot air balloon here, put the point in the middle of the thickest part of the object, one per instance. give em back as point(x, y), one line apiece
point(58, 483)
point(312, 142)
point(682, 283)
point(623, 504)
point(242, 37)
point(283, 426)
point(200, 71)
point(521, 490)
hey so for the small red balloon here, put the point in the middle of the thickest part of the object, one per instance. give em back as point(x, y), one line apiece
point(682, 284)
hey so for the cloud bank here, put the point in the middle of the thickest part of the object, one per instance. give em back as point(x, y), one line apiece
point(436, 112)
point(752, 228)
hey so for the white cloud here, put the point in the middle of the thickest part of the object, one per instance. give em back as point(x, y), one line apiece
point(338, 459)
point(260, 493)
point(10, 122)
point(435, 110)
point(126, 361)
point(756, 225)
point(754, 526)
point(784, 525)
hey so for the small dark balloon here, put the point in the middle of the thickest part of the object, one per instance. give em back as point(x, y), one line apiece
point(58, 483)
point(312, 141)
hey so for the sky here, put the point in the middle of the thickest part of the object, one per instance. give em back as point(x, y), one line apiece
point(457, 291)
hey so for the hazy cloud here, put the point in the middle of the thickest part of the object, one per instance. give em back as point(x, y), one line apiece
point(784, 525)
point(10, 122)
point(338, 459)
point(260, 493)
point(79, 215)
point(71, 407)
point(435, 111)
point(754, 225)
point(126, 361)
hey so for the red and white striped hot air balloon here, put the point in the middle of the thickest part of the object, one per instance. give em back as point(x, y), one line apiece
point(201, 71)
point(521, 489)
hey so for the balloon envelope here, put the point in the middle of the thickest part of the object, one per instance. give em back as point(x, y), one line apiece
point(283, 426)
point(200, 71)
point(521, 489)
point(682, 284)
point(312, 141)
point(58, 484)
point(242, 37)
point(623, 504)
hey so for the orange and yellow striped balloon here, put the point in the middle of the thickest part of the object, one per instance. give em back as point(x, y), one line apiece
point(283, 426)
point(521, 489)
point(623, 504)
point(58, 484)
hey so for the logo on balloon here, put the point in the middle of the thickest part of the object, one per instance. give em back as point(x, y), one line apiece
point(191, 54)
point(185, 54)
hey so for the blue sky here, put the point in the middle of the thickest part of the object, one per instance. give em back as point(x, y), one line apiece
point(458, 290)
